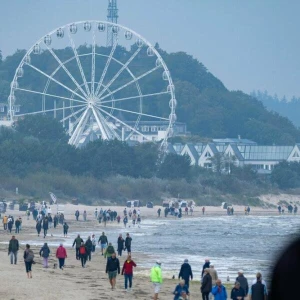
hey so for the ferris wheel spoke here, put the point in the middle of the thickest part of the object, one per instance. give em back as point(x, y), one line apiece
point(48, 110)
point(56, 81)
point(137, 113)
point(134, 97)
point(73, 114)
point(123, 123)
point(130, 82)
point(80, 127)
point(93, 62)
point(67, 71)
point(50, 95)
point(79, 64)
point(120, 71)
point(106, 66)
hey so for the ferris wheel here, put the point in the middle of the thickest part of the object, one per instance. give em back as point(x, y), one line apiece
point(109, 92)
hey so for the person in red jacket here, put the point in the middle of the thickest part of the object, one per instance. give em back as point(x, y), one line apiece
point(61, 254)
point(127, 271)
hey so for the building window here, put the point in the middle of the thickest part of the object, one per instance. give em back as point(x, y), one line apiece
point(153, 128)
point(296, 154)
point(145, 128)
point(1, 108)
point(17, 108)
point(207, 154)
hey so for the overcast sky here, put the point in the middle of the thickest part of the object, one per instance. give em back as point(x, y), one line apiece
point(249, 45)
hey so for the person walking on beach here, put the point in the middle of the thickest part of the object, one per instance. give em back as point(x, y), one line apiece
point(158, 212)
point(45, 226)
point(45, 253)
point(109, 251)
point(65, 228)
point(4, 221)
point(17, 225)
point(112, 269)
point(120, 244)
point(213, 273)
point(186, 272)
point(237, 293)
point(206, 285)
point(89, 248)
point(77, 242)
point(84, 215)
point(94, 243)
point(243, 281)
point(61, 255)
point(77, 214)
point(181, 288)
point(83, 254)
point(219, 291)
point(127, 271)
point(125, 221)
point(258, 291)
point(156, 278)
point(103, 242)
point(28, 259)
point(10, 224)
point(128, 241)
point(13, 249)
point(205, 266)
point(38, 227)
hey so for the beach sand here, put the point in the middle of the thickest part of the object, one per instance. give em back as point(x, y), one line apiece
point(75, 282)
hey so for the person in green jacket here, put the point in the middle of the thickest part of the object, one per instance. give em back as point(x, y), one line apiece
point(156, 278)
point(77, 242)
point(109, 251)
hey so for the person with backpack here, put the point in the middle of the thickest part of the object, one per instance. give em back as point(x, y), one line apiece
point(45, 252)
point(83, 254)
point(65, 228)
point(61, 254)
point(28, 259)
point(127, 271)
point(109, 251)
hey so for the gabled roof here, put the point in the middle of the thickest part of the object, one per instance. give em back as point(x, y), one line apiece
point(191, 148)
point(265, 152)
point(170, 149)
point(213, 148)
point(237, 152)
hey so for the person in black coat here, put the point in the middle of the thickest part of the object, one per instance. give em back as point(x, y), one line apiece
point(89, 248)
point(38, 227)
point(186, 272)
point(237, 291)
point(205, 266)
point(206, 286)
point(243, 281)
point(120, 245)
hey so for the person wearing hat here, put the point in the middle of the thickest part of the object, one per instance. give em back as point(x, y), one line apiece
point(156, 278)
point(186, 272)
point(243, 281)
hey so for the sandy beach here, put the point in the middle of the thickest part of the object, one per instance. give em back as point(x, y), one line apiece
point(90, 282)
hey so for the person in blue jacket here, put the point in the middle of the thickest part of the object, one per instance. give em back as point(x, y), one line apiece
point(181, 287)
point(219, 291)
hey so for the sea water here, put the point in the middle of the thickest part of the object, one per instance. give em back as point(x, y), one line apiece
point(250, 243)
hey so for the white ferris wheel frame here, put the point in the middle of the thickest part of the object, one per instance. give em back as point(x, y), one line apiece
point(87, 103)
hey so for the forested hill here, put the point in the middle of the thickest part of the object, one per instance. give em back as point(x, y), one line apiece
point(287, 108)
point(204, 103)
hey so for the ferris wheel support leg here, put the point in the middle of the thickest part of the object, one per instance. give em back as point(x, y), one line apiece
point(101, 126)
point(79, 127)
